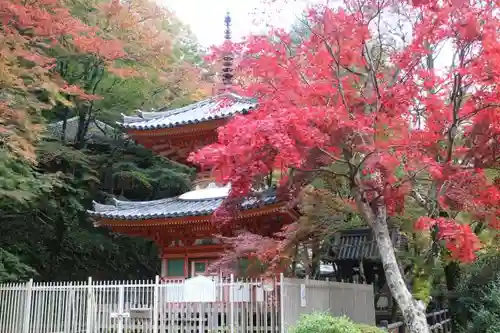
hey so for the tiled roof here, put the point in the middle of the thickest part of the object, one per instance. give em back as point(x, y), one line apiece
point(218, 107)
point(359, 244)
point(97, 130)
point(170, 208)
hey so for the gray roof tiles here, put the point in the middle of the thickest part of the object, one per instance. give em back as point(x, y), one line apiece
point(358, 244)
point(97, 130)
point(218, 107)
point(170, 207)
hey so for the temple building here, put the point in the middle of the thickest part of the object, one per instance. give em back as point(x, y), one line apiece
point(183, 226)
point(355, 255)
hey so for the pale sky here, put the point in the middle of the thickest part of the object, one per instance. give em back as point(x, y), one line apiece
point(206, 17)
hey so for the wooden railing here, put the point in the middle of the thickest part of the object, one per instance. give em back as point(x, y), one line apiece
point(439, 322)
point(200, 304)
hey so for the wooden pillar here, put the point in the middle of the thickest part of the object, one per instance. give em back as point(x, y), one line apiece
point(163, 267)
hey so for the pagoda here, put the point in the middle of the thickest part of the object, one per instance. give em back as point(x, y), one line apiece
point(183, 227)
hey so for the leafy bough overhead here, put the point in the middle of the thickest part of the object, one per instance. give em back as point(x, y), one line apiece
point(81, 63)
point(361, 90)
point(90, 57)
point(46, 227)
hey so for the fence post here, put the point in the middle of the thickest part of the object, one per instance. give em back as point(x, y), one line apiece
point(156, 303)
point(27, 306)
point(384, 324)
point(89, 306)
point(282, 303)
point(231, 302)
point(120, 310)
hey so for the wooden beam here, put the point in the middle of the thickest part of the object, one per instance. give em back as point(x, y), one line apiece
point(190, 220)
point(177, 147)
point(205, 126)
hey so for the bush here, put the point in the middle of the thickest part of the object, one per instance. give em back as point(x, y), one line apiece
point(477, 305)
point(370, 329)
point(485, 314)
point(325, 323)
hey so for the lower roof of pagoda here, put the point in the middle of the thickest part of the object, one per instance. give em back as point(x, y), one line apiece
point(173, 208)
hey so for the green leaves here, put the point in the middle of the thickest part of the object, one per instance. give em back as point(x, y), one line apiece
point(20, 182)
point(478, 297)
point(325, 323)
point(45, 223)
point(12, 269)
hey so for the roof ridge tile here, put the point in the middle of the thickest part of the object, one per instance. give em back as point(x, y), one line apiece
point(170, 207)
point(201, 111)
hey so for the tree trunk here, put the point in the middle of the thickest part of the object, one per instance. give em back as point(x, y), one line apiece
point(413, 311)
point(80, 133)
point(452, 276)
point(65, 125)
point(315, 260)
point(294, 261)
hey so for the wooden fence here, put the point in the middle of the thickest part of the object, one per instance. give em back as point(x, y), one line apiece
point(439, 322)
point(197, 305)
point(307, 296)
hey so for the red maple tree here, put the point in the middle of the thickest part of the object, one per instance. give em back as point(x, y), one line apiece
point(132, 38)
point(29, 34)
point(404, 96)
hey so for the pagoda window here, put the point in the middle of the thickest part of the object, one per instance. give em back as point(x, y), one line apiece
point(199, 267)
point(175, 268)
point(207, 241)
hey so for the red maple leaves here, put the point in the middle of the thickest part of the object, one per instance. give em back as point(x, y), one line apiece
point(79, 92)
point(459, 238)
point(33, 28)
point(406, 124)
point(43, 21)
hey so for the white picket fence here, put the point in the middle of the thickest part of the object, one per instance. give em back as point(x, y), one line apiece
point(197, 305)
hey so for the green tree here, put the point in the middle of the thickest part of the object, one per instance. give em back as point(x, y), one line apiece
point(149, 60)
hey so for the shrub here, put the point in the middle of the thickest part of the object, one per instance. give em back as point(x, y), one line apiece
point(477, 305)
point(325, 323)
point(369, 329)
point(485, 314)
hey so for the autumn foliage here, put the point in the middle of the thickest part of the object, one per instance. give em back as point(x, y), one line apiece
point(400, 99)
point(393, 118)
point(127, 39)
point(27, 32)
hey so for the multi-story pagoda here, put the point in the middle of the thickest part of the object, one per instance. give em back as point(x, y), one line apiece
point(183, 226)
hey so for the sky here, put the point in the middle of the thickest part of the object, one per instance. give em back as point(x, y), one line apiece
point(206, 18)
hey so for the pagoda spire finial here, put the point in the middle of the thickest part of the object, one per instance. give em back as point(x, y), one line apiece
point(227, 31)
point(227, 58)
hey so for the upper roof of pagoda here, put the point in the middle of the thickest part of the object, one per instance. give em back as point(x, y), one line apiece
point(178, 132)
point(215, 108)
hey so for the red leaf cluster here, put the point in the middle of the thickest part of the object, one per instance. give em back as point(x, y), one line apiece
point(459, 238)
point(79, 92)
point(32, 28)
point(31, 32)
point(49, 20)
